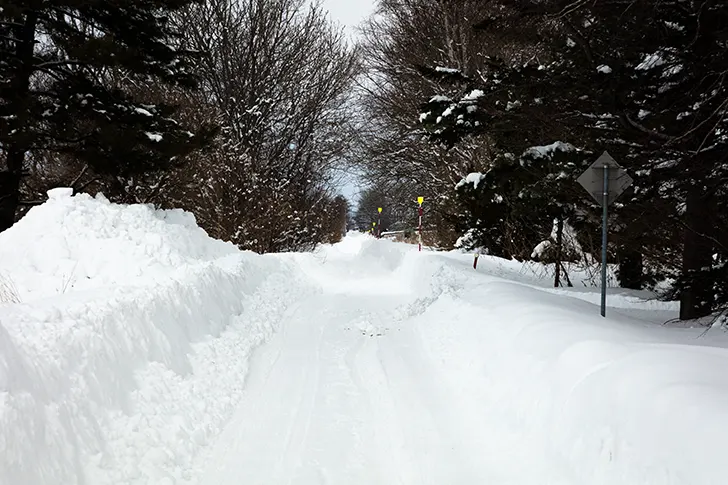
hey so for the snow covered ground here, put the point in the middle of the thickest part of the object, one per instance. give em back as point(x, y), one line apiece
point(134, 350)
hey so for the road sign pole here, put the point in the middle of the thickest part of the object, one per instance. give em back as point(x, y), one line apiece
point(596, 182)
point(419, 231)
point(379, 223)
point(420, 200)
point(605, 220)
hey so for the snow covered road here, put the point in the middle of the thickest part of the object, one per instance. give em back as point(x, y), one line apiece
point(345, 395)
point(409, 368)
point(174, 359)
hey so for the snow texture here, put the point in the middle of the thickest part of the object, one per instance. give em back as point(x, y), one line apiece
point(129, 345)
point(651, 61)
point(440, 99)
point(547, 151)
point(541, 249)
point(569, 241)
point(473, 178)
point(143, 111)
point(473, 95)
point(167, 358)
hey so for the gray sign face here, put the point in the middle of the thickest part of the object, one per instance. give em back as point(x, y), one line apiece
point(593, 179)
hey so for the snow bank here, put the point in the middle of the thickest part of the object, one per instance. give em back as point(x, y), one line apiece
point(579, 398)
point(362, 265)
point(128, 351)
point(72, 244)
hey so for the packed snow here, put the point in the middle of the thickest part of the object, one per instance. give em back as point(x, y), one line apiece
point(136, 350)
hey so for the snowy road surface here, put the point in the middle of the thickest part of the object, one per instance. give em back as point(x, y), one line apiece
point(344, 395)
point(174, 359)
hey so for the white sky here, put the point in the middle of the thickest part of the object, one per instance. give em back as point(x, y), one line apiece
point(349, 12)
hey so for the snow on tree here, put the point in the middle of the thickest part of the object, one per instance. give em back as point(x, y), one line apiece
point(648, 86)
point(65, 69)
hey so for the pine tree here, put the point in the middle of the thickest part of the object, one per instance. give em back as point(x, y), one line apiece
point(65, 70)
point(511, 208)
point(645, 80)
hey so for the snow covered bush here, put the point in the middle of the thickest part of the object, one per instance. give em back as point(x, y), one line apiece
point(509, 208)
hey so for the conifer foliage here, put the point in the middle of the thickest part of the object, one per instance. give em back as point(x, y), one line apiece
point(644, 79)
point(500, 81)
point(66, 67)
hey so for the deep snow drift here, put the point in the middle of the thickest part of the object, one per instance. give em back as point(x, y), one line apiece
point(136, 350)
point(128, 350)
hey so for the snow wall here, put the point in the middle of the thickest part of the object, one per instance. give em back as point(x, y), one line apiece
point(126, 332)
point(111, 354)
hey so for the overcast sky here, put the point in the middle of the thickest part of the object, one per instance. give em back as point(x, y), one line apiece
point(349, 12)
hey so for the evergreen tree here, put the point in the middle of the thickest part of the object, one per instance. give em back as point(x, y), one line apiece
point(644, 79)
point(65, 70)
point(511, 208)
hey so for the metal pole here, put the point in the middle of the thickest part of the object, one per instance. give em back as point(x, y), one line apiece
point(420, 230)
point(379, 226)
point(605, 205)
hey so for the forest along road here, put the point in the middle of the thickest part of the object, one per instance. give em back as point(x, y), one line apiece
point(346, 394)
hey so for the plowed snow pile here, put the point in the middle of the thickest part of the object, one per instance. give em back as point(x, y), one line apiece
point(135, 350)
point(125, 336)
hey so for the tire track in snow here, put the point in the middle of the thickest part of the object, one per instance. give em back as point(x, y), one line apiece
point(369, 376)
point(351, 398)
point(302, 418)
point(309, 397)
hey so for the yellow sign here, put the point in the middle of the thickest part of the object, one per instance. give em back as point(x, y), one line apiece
point(379, 209)
point(420, 200)
point(374, 224)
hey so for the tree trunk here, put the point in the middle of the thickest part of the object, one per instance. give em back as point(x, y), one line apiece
point(696, 293)
point(559, 245)
point(19, 108)
point(630, 269)
point(9, 198)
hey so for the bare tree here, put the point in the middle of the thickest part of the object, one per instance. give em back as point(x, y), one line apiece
point(278, 73)
point(398, 41)
point(274, 77)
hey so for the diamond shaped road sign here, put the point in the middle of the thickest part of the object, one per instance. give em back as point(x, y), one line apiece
point(593, 179)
